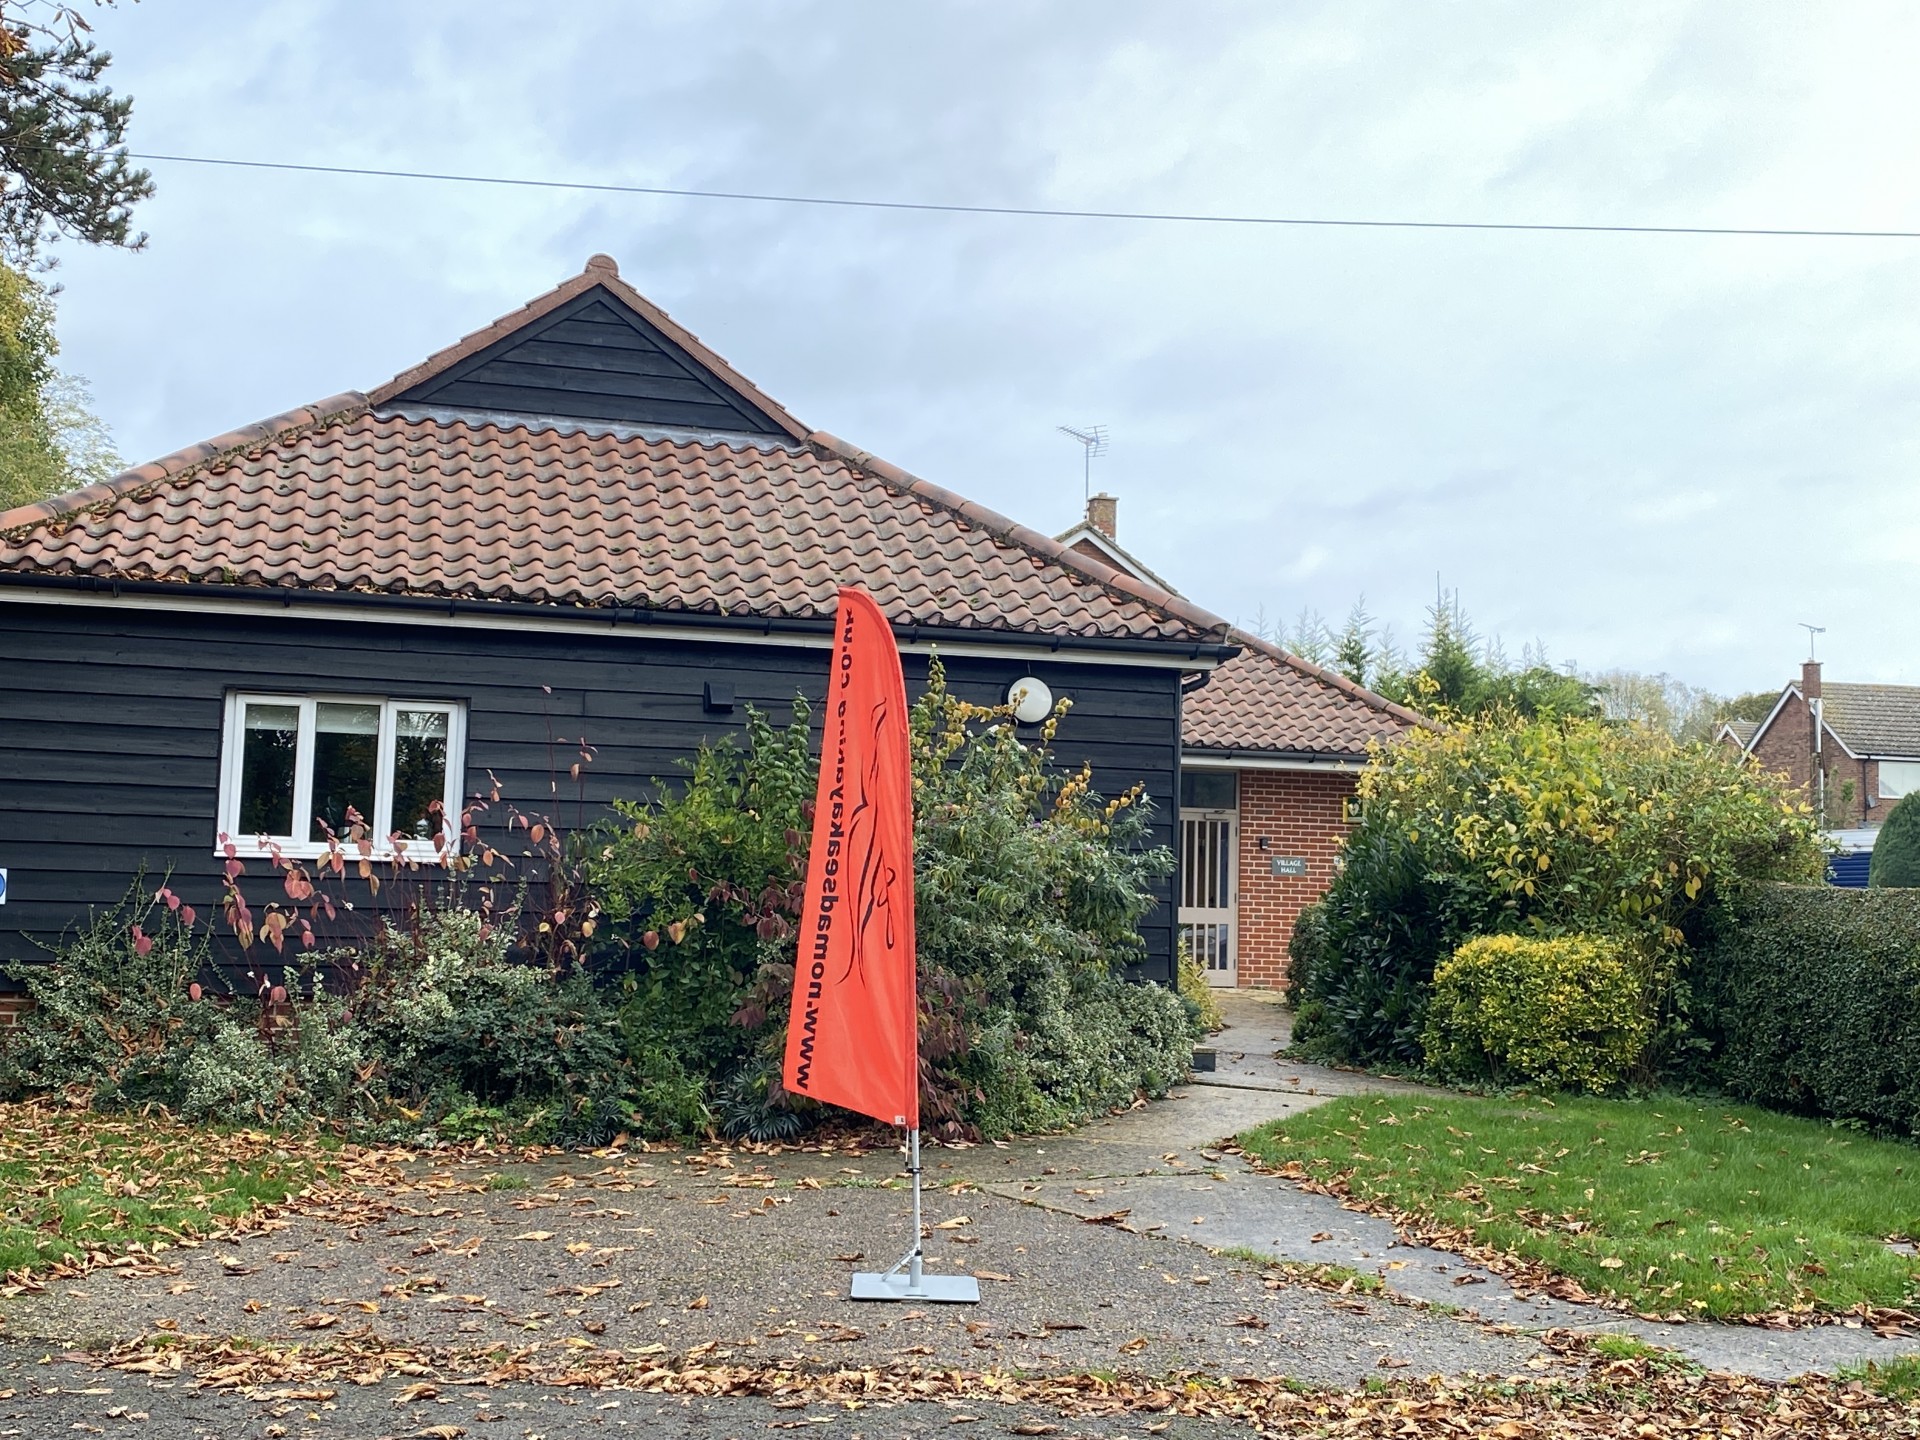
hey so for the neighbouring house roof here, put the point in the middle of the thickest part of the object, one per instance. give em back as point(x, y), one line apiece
point(1267, 701)
point(1741, 732)
point(1868, 721)
point(427, 487)
point(1874, 719)
point(1096, 544)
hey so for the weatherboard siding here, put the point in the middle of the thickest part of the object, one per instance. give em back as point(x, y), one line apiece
point(111, 720)
point(593, 359)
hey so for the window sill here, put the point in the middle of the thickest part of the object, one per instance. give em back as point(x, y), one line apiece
point(423, 853)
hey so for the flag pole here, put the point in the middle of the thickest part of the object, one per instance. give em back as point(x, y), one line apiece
point(915, 1280)
point(916, 1284)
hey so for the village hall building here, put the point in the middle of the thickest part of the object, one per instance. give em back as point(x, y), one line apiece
point(578, 523)
point(581, 525)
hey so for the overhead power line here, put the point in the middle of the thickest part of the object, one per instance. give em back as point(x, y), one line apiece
point(1028, 211)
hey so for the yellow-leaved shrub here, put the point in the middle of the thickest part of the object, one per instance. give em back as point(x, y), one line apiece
point(1571, 1012)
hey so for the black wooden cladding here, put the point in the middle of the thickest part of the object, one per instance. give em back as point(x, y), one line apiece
point(594, 359)
point(111, 721)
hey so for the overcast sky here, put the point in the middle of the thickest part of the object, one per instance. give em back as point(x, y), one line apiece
point(1651, 452)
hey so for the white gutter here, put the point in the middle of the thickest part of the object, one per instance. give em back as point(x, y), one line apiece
point(1213, 760)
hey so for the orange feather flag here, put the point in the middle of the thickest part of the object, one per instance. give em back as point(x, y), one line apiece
point(853, 1037)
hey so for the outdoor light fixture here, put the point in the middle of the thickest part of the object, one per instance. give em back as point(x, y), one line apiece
point(1031, 700)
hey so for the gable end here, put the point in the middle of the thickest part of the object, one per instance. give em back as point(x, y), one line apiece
point(592, 358)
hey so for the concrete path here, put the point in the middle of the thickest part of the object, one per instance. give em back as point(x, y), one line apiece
point(1161, 1164)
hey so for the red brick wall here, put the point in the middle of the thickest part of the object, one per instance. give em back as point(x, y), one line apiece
point(1298, 813)
point(11, 1007)
point(1787, 748)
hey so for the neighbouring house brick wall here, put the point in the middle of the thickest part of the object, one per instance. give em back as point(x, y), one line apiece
point(1787, 749)
point(1786, 746)
point(1298, 813)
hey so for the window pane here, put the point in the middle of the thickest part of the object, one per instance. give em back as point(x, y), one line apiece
point(419, 771)
point(270, 739)
point(346, 745)
point(1209, 789)
point(1898, 778)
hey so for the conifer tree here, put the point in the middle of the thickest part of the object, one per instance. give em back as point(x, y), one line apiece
point(62, 135)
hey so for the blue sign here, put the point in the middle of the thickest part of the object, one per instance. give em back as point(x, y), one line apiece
point(3, 886)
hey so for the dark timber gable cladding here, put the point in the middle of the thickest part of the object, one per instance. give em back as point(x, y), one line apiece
point(592, 359)
point(578, 524)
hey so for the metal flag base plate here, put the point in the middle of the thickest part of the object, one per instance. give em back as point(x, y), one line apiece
point(908, 1280)
point(937, 1289)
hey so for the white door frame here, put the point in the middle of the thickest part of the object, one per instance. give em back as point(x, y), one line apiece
point(1208, 915)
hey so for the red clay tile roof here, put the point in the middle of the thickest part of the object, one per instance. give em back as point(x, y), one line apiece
point(345, 496)
point(1267, 700)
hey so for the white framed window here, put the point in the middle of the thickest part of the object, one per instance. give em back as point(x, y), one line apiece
point(1899, 778)
point(293, 767)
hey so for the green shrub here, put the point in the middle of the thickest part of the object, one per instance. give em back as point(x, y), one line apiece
point(1811, 997)
point(1362, 958)
point(1569, 1013)
point(119, 1012)
point(438, 1023)
point(1029, 892)
point(1540, 827)
point(453, 1021)
point(307, 1066)
point(1896, 850)
point(106, 1016)
point(697, 891)
point(1203, 1006)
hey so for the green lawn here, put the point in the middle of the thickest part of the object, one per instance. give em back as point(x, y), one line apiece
point(1668, 1203)
point(73, 1182)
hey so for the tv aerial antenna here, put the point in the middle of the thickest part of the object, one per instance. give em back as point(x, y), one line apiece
point(1093, 440)
point(1812, 630)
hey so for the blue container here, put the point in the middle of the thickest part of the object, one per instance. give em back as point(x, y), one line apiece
point(1849, 870)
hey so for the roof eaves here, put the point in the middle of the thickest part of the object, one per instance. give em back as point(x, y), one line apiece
point(182, 463)
point(1214, 630)
point(1254, 754)
point(601, 270)
point(1839, 739)
point(1787, 692)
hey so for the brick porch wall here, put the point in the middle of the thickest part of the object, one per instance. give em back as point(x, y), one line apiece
point(1298, 813)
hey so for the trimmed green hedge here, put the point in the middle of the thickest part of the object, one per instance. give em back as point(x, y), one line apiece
point(1813, 998)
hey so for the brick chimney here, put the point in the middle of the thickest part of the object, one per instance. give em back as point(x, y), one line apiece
point(1810, 679)
point(1103, 514)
